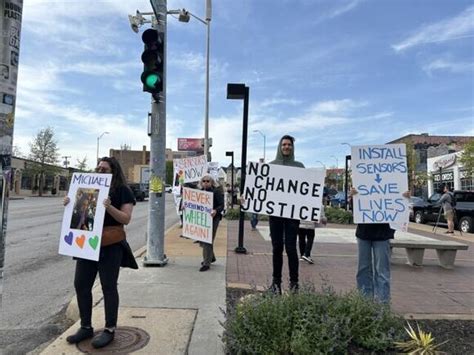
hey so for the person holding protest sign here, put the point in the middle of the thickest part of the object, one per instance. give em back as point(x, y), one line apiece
point(446, 202)
point(373, 269)
point(283, 231)
point(207, 183)
point(114, 252)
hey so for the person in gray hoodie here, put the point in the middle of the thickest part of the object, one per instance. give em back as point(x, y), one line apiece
point(283, 231)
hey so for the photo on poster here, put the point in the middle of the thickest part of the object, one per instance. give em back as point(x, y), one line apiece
point(85, 206)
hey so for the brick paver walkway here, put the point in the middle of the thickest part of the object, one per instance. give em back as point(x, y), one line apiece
point(424, 292)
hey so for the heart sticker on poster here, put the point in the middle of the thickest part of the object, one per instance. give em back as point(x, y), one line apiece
point(80, 241)
point(93, 242)
point(68, 238)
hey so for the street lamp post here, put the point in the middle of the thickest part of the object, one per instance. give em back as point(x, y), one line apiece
point(264, 142)
point(346, 176)
point(98, 139)
point(320, 162)
point(184, 17)
point(241, 92)
point(337, 174)
point(231, 155)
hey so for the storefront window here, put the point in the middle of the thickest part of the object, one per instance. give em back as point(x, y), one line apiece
point(467, 183)
point(26, 182)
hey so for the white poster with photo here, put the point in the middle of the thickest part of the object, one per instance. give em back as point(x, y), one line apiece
point(197, 219)
point(379, 174)
point(213, 169)
point(83, 218)
point(188, 170)
point(284, 191)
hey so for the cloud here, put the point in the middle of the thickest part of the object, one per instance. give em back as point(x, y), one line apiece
point(461, 26)
point(344, 8)
point(448, 66)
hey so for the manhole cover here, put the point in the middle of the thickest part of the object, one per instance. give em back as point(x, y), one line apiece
point(127, 340)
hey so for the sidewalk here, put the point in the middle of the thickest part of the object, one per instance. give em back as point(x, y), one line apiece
point(177, 310)
point(173, 309)
point(427, 292)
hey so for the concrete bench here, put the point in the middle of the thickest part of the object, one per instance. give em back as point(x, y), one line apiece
point(415, 249)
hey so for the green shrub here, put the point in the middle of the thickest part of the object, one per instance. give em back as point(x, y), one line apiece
point(234, 213)
point(310, 323)
point(338, 215)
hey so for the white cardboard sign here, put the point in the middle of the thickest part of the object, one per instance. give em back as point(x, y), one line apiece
point(83, 218)
point(379, 174)
point(284, 191)
point(197, 219)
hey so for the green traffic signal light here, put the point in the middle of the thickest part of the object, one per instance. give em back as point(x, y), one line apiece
point(151, 80)
point(152, 58)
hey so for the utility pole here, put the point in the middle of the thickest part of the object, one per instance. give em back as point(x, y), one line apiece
point(9, 53)
point(156, 208)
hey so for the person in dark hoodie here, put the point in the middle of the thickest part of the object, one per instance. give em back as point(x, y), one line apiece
point(284, 231)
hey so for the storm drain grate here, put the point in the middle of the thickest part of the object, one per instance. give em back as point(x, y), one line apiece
point(127, 340)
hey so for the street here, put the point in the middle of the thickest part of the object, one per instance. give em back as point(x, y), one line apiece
point(38, 282)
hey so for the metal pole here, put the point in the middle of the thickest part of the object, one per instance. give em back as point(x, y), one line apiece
point(97, 157)
point(232, 182)
point(348, 157)
point(243, 165)
point(264, 147)
point(156, 203)
point(9, 52)
point(206, 115)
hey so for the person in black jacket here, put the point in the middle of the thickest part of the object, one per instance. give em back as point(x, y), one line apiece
point(118, 211)
point(373, 269)
point(207, 183)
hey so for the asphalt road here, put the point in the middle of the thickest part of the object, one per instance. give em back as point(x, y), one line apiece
point(38, 282)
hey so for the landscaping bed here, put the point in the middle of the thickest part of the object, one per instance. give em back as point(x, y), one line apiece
point(459, 334)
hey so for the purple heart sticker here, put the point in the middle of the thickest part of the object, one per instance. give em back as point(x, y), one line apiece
point(68, 238)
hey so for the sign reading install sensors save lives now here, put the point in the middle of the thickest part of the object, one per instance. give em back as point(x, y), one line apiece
point(284, 191)
point(83, 218)
point(379, 174)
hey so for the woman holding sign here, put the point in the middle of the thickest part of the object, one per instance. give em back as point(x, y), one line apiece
point(114, 252)
point(207, 183)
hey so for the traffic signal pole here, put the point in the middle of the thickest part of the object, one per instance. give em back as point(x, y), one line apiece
point(156, 207)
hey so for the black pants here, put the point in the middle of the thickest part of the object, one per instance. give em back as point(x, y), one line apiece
point(208, 249)
point(283, 232)
point(108, 268)
point(305, 238)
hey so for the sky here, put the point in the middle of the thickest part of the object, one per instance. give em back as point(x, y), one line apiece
point(324, 71)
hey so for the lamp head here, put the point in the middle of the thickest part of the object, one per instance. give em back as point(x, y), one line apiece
point(183, 16)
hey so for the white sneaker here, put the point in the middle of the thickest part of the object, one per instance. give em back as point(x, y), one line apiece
point(301, 259)
point(308, 259)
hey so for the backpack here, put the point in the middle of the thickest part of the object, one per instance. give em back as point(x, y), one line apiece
point(453, 200)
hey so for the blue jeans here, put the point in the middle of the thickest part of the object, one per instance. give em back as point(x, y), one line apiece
point(254, 220)
point(373, 271)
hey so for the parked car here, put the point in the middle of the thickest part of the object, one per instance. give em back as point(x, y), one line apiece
point(339, 200)
point(415, 201)
point(430, 211)
point(140, 191)
point(168, 188)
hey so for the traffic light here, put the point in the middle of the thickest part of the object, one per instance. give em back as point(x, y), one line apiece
point(153, 61)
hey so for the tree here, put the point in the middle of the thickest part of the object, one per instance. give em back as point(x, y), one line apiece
point(44, 152)
point(467, 158)
point(82, 164)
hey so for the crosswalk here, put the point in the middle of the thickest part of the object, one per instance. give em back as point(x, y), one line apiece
point(342, 235)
